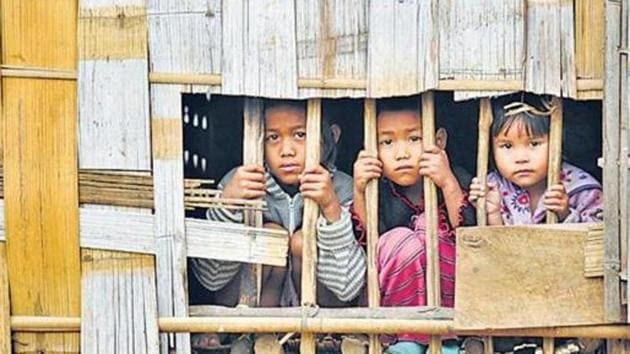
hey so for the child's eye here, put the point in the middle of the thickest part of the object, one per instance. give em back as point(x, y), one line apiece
point(505, 146)
point(271, 137)
point(535, 143)
point(385, 142)
point(415, 138)
point(300, 135)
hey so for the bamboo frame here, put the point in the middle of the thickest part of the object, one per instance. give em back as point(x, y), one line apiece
point(311, 213)
point(316, 325)
point(371, 199)
point(433, 289)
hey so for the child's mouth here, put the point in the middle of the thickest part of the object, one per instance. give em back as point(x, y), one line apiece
point(290, 168)
point(404, 168)
point(523, 173)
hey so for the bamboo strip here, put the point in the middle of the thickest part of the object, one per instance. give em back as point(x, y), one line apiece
point(430, 204)
point(5, 304)
point(313, 83)
point(317, 325)
point(483, 150)
point(253, 133)
point(311, 212)
point(371, 199)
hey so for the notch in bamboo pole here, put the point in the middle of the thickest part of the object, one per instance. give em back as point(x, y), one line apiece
point(253, 130)
point(311, 213)
point(431, 214)
point(371, 199)
point(483, 150)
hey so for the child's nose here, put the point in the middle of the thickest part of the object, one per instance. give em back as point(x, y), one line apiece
point(402, 152)
point(287, 149)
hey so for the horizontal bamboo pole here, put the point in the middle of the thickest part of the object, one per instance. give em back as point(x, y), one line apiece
point(312, 83)
point(316, 325)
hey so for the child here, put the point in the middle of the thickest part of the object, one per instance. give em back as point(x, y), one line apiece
point(517, 193)
point(403, 162)
point(284, 182)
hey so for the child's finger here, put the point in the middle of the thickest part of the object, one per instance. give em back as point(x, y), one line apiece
point(253, 194)
point(253, 185)
point(252, 176)
point(557, 187)
point(432, 149)
point(371, 169)
point(253, 168)
point(554, 194)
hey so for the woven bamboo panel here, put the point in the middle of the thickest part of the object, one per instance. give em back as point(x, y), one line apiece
point(589, 43)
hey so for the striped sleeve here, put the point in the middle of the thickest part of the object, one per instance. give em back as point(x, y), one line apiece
point(215, 274)
point(341, 265)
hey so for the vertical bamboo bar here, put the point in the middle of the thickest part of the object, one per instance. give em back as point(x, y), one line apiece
point(371, 198)
point(5, 305)
point(431, 213)
point(553, 175)
point(311, 212)
point(483, 150)
point(253, 130)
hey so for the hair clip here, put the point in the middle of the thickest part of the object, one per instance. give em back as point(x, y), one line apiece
point(515, 108)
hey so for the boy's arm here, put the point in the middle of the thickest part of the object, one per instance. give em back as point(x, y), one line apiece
point(455, 200)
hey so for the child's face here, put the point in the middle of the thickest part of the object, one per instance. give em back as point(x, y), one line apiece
point(521, 158)
point(400, 146)
point(285, 143)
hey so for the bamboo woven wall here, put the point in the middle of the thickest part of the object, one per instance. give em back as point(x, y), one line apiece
point(133, 60)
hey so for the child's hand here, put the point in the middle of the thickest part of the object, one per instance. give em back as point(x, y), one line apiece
point(434, 164)
point(316, 184)
point(557, 200)
point(366, 168)
point(247, 183)
point(490, 192)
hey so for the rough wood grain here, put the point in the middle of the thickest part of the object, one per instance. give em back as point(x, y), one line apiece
point(482, 40)
point(494, 277)
point(2, 230)
point(594, 253)
point(259, 48)
point(611, 140)
point(402, 47)
point(168, 177)
point(41, 202)
point(483, 154)
point(555, 151)
point(113, 85)
point(185, 37)
point(309, 222)
point(5, 305)
point(590, 43)
point(119, 303)
point(550, 59)
point(332, 43)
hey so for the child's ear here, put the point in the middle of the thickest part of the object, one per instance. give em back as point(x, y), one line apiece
point(441, 138)
point(336, 132)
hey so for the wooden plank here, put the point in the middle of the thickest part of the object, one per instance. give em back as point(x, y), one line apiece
point(624, 167)
point(550, 63)
point(371, 200)
point(186, 37)
point(41, 199)
point(5, 304)
point(119, 306)
point(611, 141)
point(483, 153)
point(2, 231)
point(482, 40)
point(594, 253)
point(433, 286)
point(168, 176)
point(495, 277)
point(309, 222)
point(117, 230)
point(589, 43)
point(259, 48)
point(407, 32)
point(332, 43)
point(419, 313)
point(113, 85)
point(555, 151)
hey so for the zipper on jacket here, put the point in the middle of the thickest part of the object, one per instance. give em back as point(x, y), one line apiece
point(291, 214)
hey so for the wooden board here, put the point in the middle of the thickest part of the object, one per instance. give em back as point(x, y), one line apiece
point(5, 305)
point(113, 85)
point(2, 231)
point(259, 48)
point(332, 43)
point(550, 59)
point(402, 47)
point(168, 177)
point(41, 203)
point(590, 27)
point(482, 40)
point(532, 273)
point(119, 310)
point(185, 37)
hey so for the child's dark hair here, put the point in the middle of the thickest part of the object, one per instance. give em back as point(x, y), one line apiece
point(533, 117)
point(398, 104)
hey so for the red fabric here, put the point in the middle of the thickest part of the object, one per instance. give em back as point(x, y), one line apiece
point(402, 263)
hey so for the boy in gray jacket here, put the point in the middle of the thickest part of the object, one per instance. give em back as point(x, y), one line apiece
point(284, 182)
